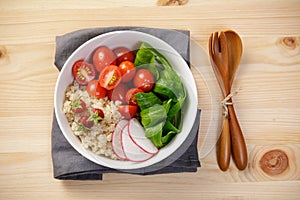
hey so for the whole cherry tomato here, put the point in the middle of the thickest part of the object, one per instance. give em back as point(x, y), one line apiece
point(123, 54)
point(95, 90)
point(128, 111)
point(118, 93)
point(103, 57)
point(144, 80)
point(127, 70)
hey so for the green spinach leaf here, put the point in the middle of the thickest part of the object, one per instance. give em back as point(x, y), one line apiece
point(153, 115)
point(154, 133)
point(146, 100)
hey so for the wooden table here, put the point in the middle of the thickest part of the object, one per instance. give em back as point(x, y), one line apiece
point(268, 106)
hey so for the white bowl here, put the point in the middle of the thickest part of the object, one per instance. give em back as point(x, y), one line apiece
point(131, 40)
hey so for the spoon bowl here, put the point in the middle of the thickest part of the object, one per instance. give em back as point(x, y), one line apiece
point(235, 50)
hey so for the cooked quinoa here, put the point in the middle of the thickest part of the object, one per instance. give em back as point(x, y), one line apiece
point(98, 138)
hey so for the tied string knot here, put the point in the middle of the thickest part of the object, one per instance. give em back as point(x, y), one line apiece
point(225, 102)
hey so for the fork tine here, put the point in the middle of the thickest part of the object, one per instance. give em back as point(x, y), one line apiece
point(216, 59)
point(210, 45)
point(215, 43)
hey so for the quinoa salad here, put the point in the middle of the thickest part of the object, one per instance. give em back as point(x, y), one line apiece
point(98, 137)
point(124, 105)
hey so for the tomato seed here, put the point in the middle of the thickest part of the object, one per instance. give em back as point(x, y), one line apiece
point(112, 80)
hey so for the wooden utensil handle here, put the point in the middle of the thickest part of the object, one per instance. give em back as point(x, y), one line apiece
point(224, 146)
point(239, 150)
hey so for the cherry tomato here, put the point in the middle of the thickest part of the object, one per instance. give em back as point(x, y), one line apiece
point(144, 80)
point(130, 98)
point(78, 106)
point(103, 57)
point(99, 112)
point(118, 94)
point(95, 90)
point(110, 77)
point(83, 72)
point(128, 111)
point(123, 54)
point(96, 116)
point(85, 122)
point(127, 70)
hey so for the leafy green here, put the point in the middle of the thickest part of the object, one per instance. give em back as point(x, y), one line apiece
point(167, 138)
point(167, 105)
point(176, 119)
point(175, 108)
point(154, 133)
point(168, 126)
point(153, 115)
point(146, 100)
point(161, 119)
point(153, 68)
point(169, 131)
point(143, 56)
point(169, 85)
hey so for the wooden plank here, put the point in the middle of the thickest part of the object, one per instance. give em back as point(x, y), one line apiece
point(28, 182)
point(46, 24)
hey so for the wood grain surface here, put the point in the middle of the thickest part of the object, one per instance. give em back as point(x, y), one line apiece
point(267, 105)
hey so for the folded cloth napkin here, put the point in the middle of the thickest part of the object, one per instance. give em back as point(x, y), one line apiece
point(68, 164)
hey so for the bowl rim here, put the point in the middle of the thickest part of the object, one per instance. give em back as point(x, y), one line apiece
point(134, 165)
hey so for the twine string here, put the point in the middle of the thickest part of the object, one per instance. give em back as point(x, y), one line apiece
point(225, 102)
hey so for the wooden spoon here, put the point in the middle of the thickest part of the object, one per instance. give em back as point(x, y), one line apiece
point(239, 150)
point(219, 59)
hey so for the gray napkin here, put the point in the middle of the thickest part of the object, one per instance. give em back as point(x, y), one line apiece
point(68, 164)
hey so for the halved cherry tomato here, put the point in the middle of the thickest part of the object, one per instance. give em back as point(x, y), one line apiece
point(130, 98)
point(96, 116)
point(123, 54)
point(95, 90)
point(144, 80)
point(78, 106)
point(118, 94)
point(83, 72)
point(110, 77)
point(85, 122)
point(103, 57)
point(128, 111)
point(127, 70)
point(99, 112)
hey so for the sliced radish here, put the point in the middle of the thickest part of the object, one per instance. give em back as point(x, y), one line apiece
point(137, 134)
point(131, 150)
point(116, 139)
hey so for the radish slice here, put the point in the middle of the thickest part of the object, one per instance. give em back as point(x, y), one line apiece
point(116, 139)
point(131, 150)
point(137, 135)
